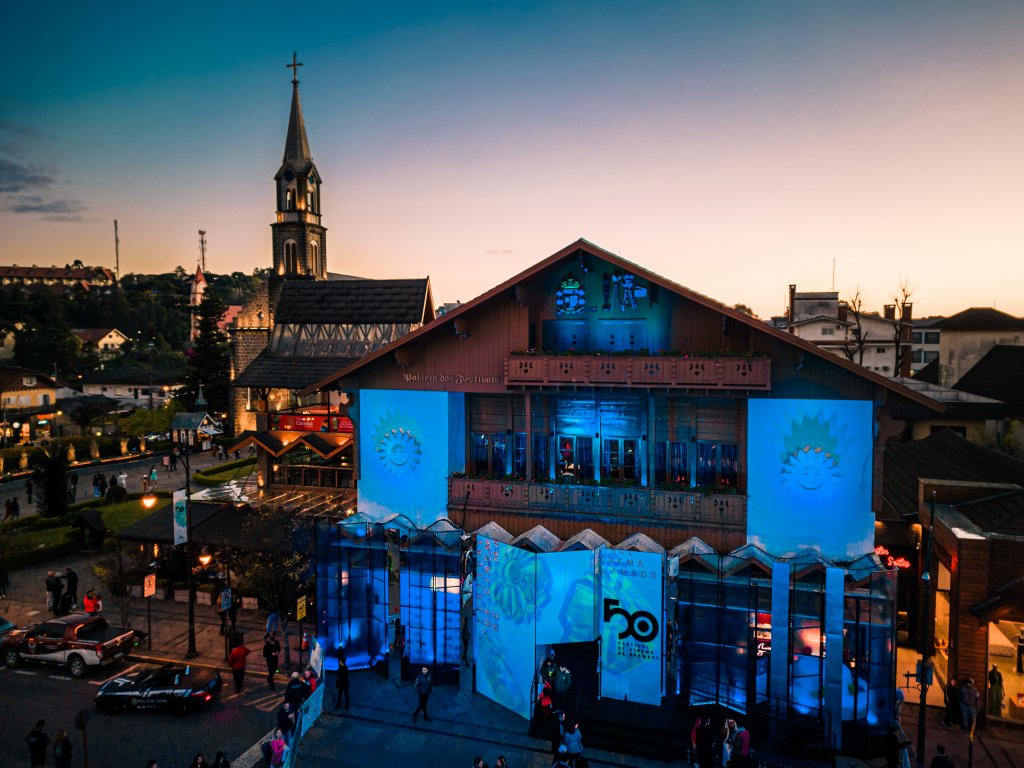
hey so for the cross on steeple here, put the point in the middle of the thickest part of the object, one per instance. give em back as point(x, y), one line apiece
point(294, 67)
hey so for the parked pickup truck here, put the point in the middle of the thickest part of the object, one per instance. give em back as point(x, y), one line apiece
point(77, 641)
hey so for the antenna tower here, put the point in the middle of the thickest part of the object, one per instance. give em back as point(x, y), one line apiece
point(117, 253)
point(202, 250)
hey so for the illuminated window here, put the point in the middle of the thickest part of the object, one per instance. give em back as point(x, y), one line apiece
point(670, 463)
point(291, 257)
point(619, 459)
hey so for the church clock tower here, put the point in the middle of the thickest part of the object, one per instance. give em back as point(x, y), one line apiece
point(300, 241)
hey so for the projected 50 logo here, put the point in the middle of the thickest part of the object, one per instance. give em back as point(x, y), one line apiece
point(640, 625)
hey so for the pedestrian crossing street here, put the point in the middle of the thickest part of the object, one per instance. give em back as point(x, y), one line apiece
point(254, 694)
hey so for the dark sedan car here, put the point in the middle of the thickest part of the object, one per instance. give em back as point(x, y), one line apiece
point(178, 688)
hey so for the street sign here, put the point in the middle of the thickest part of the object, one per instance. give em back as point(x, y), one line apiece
point(300, 609)
point(149, 585)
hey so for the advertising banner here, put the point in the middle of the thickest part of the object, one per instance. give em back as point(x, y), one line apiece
point(504, 624)
point(180, 518)
point(566, 589)
point(297, 422)
point(632, 625)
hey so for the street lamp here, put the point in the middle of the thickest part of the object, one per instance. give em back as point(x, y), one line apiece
point(925, 665)
point(191, 653)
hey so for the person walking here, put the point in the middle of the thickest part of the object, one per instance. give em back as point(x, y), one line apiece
point(122, 480)
point(8, 509)
point(557, 732)
point(37, 741)
point(341, 684)
point(103, 486)
point(573, 745)
point(62, 750)
point(423, 685)
point(96, 485)
point(174, 460)
point(951, 699)
point(271, 654)
point(940, 760)
point(90, 603)
point(199, 762)
point(969, 699)
point(53, 591)
point(152, 477)
point(16, 507)
point(236, 660)
point(221, 761)
point(71, 580)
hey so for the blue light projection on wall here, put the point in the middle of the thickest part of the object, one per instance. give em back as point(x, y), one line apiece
point(809, 476)
point(407, 443)
point(571, 297)
point(568, 617)
point(505, 614)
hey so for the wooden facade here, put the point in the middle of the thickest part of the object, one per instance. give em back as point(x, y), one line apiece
point(585, 349)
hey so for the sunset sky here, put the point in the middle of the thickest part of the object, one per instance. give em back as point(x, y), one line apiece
point(734, 147)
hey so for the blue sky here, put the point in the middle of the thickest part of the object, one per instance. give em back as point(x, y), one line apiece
point(734, 147)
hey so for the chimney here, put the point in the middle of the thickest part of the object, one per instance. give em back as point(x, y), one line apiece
point(789, 309)
point(890, 311)
point(843, 311)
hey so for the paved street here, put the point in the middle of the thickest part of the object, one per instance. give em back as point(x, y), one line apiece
point(126, 739)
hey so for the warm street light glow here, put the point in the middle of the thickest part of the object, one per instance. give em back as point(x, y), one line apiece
point(148, 500)
point(205, 558)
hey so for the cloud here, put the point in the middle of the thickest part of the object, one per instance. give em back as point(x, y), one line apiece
point(25, 189)
point(15, 177)
point(499, 252)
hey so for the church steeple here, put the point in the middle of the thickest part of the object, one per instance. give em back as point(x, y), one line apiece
point(300, 241)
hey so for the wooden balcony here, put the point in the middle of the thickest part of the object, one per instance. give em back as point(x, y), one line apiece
point(623, 370)
point(628, 502)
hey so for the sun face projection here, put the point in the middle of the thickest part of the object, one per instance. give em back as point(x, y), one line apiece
point(397, 447)
point(811, 457)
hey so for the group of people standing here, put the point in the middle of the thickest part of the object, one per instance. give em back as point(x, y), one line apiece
point(38, 746)
point(62, 592)
point(961, 702)
point(725, 746)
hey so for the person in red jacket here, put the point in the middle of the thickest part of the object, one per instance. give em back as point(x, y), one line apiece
point(236, 660)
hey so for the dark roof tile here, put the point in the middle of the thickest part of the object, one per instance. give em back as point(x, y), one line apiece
point(981, 319)
point(348, 302)
point(288, 372)
point(999, 375)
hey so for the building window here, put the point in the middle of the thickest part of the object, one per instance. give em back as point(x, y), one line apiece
point(931, 337)
point(541, 470)
point(670, 464)
point(519, 454)
point(619, 459)
point(575, 458)
point(478, 453)
point(880, 350)
point(289, 200)
point(929, 356)
point(915, 337)
point(314, 254)
point(291, 257)
point(717, 464)
point(915, 356)
point(488, 453)
point(828, 332)
point(46, 399)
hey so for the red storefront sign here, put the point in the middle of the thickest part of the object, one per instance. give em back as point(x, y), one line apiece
point(892, 560)
point(299, 422)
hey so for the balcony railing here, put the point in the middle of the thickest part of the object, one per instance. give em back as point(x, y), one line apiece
point(685, 372)
point(687, 507)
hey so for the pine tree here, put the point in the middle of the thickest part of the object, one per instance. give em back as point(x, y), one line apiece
point(208, 363)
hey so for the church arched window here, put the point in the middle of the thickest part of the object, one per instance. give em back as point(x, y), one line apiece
point(310, 197)
point(291, 257)
point(314, 253)
point(289, 199)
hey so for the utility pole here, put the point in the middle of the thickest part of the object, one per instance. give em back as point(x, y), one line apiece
point(925, 666)
point(117, 253)
point(202, 250)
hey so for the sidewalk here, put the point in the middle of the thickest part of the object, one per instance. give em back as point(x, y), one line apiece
point(133, 466)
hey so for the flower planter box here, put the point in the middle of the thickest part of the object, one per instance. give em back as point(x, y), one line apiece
point(181, 595)
point(250, 603)
point(698, 370)
point(204, 598)
point(525, 369)
point(568, 370)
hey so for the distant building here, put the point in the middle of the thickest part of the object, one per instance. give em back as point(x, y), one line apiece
point(967, 336)
point(924, 342)
point(85, 277)
point(865, 338)
point(107, 341)
point(27, 404)
point(134, 387)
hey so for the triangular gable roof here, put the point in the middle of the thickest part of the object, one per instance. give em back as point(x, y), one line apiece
point(698, 298)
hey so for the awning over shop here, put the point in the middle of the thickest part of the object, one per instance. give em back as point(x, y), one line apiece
point(326, 446)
